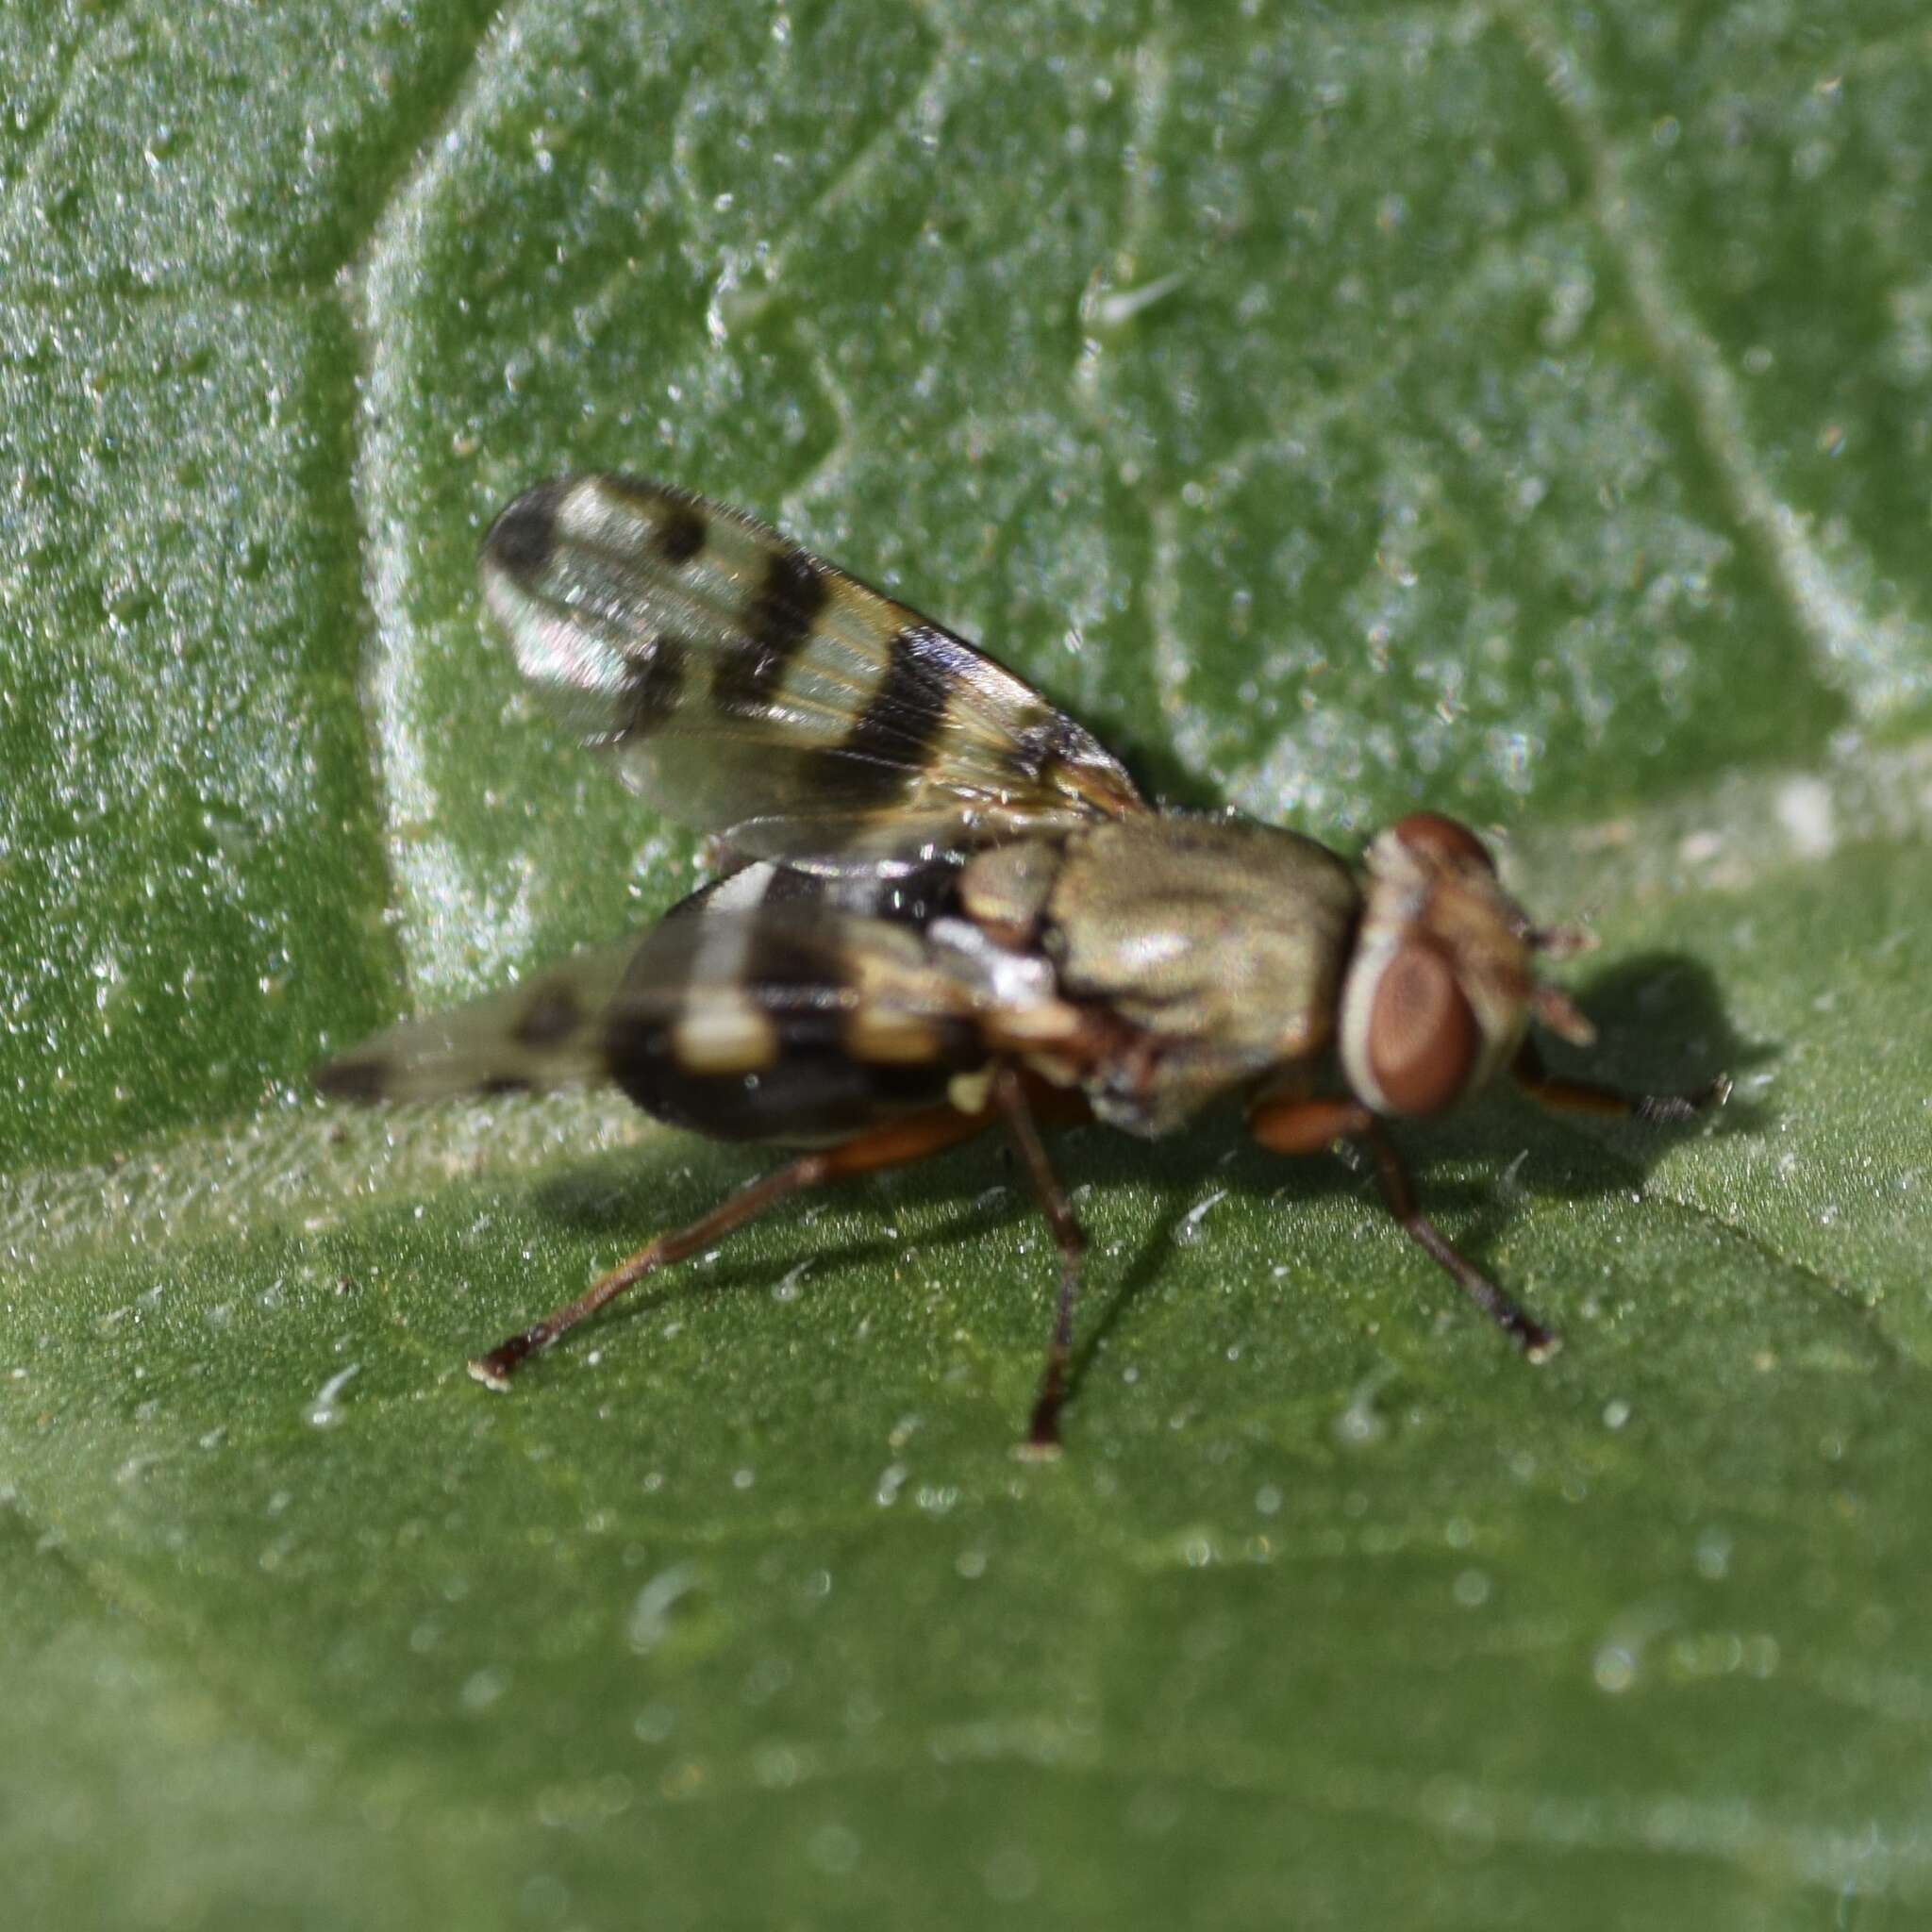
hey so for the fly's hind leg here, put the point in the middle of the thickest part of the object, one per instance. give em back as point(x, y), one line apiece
point(892, 1145)
point(1009, 1096)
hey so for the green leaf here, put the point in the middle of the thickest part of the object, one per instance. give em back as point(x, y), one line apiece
point(1520, 408)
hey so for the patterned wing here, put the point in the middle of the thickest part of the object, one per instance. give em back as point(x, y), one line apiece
point(544, 1034)
point(759, 1009)
point(745, 686)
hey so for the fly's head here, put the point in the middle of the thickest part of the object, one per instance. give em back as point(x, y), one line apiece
point(1442, 986)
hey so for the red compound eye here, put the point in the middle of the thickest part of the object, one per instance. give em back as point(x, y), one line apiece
point(1432, 836)
point(1422, 1040)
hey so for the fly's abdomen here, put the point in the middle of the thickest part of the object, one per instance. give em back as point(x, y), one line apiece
point(805, 1087)
point(751, 1019)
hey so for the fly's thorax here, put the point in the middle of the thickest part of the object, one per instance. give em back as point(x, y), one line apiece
point(1212, 947)
point(1005, 890)
point(1441, 987)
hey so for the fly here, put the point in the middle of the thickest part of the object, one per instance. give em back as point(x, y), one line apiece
point(948, 907)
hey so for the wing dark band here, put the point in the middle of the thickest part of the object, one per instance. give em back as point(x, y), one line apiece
point(651, 689)
point(776, 628)
point(745, 686)
point(885, 754)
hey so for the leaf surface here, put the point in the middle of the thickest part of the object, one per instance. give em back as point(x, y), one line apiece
point(1518, 409)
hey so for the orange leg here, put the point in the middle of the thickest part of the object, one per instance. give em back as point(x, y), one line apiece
point(1585, 1096)
point(1298, 1125)
point(892, 1145)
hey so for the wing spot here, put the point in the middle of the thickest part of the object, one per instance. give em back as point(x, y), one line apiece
point(550, 1019)
point(360, 1080)
point(522, 539)
point(682, 533)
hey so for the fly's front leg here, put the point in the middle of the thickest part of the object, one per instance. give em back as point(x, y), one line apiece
point(1522, 1328)
point(1010, 1097)
point(911, 1138)
point(1585, 1096)
point(1296, 1123)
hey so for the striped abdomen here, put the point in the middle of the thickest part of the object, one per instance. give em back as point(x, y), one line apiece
point(763, 1009)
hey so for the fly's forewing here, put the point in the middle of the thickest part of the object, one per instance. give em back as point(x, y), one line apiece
point(746, 687)
point(542, 1035)
point(791, 1023)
